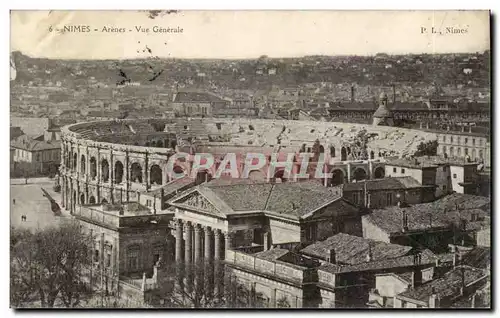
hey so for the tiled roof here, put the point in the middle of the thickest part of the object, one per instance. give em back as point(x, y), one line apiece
point(427, 258)
point(351, 249)
point(175, 185)
point(384, 184)
point(438, 214)
point(409, 163)
point(478, 257)
point(446, 286)
point(295, 199)
point(26, 143)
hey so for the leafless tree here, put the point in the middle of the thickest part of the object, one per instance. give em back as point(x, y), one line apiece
point(48, 265)
point(202, 285)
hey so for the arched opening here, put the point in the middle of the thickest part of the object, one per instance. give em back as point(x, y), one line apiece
point(359, 174)
point(82, 164)
point(156, 175)
point(372, 155)
point(337, 177)
point(379, 173)
point(82, 199)
point(104, 201)
point(279, 177)
point(159, 144)
point(348, 150)
point(178, 169)
point(105, 170)
point(136, 172)
point(92, 200)
point(118, 172)
point(473, 154)
point(343, 154)
point(321, 149)
point(332, 152)
point(93, 168)
point(75, 159)
point(173, 144)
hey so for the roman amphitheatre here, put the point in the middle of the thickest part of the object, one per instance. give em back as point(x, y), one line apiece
point(116, 161)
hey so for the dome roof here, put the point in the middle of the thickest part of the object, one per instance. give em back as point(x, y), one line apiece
point(382, 112)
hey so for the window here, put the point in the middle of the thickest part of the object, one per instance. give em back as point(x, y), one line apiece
point(458, 140)
point(389, 198)
point(466, 140)
point(148, 203)
point(454, 176)
point(466, 151)
point(393, 169)
point(108, 260)
point(96, 256)
point(133, 258)
point(473, 141)
point(480, 142)
point(355, 198)
point(451, 139)
point(402, 170)
point(311, 232)
point(444, 138)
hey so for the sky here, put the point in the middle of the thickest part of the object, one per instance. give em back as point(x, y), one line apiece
point(248, 34)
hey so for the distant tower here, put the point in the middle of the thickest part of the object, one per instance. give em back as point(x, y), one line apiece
point(383, 116)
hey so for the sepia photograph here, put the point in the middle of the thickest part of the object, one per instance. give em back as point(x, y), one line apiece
point(176, 159)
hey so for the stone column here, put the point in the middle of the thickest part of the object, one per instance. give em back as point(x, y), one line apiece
point(348, 173)
point(197, 243)
point(228, 242)
point(63, 190)
point(178, 241)
point(266, 241)
point(217, 246)
point(188, 242)
point(208, 244)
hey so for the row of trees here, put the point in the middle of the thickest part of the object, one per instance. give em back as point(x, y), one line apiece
point(49, 268)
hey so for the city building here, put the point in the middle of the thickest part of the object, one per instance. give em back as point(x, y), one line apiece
point(128, 240)
point(197, 103)
point(443, 292)
point(454, 219)
point(35, 158)
point(338, 272)
point(212, 218)
point(465, 145)
point(447, 174)
point(380, 193)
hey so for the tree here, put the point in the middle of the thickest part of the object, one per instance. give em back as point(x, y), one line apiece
point(48, 265)
point(427, 148)
point(201, 285)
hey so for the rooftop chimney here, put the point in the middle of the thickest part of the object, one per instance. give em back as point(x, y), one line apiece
point(404, 221)
point(433, 299)
point(369, 256)
point(332, 257)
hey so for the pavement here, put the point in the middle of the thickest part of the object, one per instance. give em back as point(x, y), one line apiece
point(29, 201)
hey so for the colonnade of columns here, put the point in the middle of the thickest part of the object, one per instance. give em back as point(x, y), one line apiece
point(194, 242)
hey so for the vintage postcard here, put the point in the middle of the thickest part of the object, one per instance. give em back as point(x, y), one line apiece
point(250, 159)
